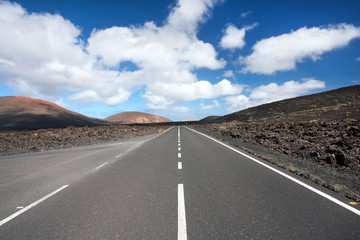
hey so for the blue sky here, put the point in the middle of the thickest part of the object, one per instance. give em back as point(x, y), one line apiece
point(184, 59)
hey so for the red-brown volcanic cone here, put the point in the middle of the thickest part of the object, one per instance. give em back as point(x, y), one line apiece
point(28, 113)
point(136, 117)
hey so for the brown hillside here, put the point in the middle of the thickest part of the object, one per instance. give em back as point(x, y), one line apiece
point(342, 103)
point(28, 113)
point(136, 117)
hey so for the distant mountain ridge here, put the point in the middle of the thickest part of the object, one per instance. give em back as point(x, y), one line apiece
point(342, 103)
point(27, 113)
point(136, 117)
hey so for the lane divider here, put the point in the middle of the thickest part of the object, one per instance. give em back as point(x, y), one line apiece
point(182, 232)
point(338, 202)
point(2, 222)
point(101, 165)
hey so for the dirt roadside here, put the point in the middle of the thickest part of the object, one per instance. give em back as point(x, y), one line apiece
point(26, 141)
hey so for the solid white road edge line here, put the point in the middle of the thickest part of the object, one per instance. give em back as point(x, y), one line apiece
point(287, 176)
point(101, 165)
point(179, 165)
point(182, 234)
point(2, 222)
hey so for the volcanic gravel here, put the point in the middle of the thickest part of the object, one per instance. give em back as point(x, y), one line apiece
point(25, 141)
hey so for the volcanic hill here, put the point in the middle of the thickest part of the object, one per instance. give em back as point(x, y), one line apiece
point(27, 113)
point(136, 117)
point(342, 103)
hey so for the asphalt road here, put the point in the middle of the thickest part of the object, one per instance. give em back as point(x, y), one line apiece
point(177, 185)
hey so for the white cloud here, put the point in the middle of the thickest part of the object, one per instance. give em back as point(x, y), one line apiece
point(236, 103)
point(61, 103)
point(358, 59)
point(229, 73)
point(245, 14)
point(273, 92)
point(234, 37)
point(162, 95)
point(181, 110)
point(281, 53)
point(43, 56)
point(187, 14)
point(215, 104)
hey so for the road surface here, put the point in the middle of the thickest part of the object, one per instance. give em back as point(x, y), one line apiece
point(175, 185)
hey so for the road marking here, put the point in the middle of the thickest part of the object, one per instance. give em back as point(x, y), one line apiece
point(101, 165)
point(182, 235)
point(119, 155)
point(179, 155)
point(179, 148)
point(179, 144)
point(2, 222)
point(179, 132)
point(179, 165)
point(285, 175)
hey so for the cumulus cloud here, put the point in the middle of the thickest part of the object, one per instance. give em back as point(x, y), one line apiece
point(43, 56)
point(281, 53)
point(234, 37)
point(229, 73)
point(215, 104)
point(182, 109)
point(237, 103)
point(187, 15)
point(273, 92)
point(163, 95)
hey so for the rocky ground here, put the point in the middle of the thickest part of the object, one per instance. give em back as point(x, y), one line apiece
point(25, 141)
point(327, 152)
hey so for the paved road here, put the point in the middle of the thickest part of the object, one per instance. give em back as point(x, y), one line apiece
point(177, 185)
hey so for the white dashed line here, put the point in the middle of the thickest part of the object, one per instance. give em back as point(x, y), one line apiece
point(101, 165)
point(119, 155)
point(179, 165)
point(179, 155)
point(179, 148)
point(182, 234)
point(2, 222)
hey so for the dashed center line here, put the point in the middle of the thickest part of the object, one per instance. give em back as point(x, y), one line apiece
point(179, 148)
point(182, 233)
point(179, 155)
point(101, 165)
point(179, 165)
